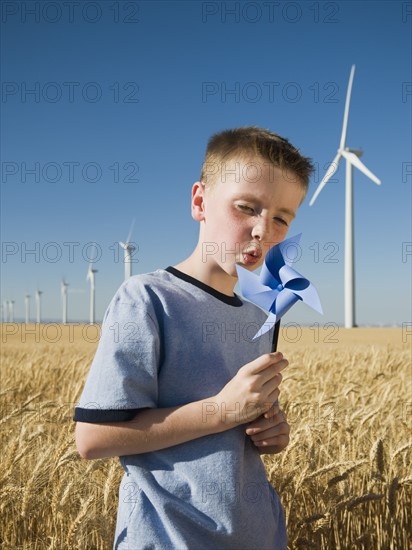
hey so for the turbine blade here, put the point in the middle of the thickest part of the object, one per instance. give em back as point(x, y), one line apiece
point(131, 231)
point(346, 114)
point(331, 170)
point(123, 245)
point(353, 159)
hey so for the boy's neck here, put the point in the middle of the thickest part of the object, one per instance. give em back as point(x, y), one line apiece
point(209, 273)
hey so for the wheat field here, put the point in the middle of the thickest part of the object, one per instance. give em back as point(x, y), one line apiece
point(344, 480)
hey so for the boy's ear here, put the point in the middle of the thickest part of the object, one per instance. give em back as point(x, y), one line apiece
point(198, 204)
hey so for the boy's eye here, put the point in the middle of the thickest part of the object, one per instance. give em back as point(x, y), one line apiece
point(281, 220)
point(245, 208)
point(251, 210)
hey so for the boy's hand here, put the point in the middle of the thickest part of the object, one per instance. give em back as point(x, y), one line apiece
point(270, 433)
point(252, 392)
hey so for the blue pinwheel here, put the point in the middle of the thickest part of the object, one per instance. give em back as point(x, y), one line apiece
point(278, 286)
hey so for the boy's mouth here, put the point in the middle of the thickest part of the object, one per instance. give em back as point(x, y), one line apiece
point(251, 256)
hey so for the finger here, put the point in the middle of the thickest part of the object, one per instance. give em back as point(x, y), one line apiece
point(276, 419)
point(257, 425)
point(274, 431)
point(272, 376)
point(267, 360)
point(274, 409)
point(279, 442)
point(282, 429)
point(263, 421)
point(263, 424)
point(271, 387)
point(274, 395)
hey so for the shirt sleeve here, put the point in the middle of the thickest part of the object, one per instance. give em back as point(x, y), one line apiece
point(123, 377)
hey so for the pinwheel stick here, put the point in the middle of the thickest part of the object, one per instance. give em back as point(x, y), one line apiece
point(275, 337)
point(275, 345)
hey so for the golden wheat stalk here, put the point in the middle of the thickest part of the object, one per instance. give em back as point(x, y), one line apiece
point(401, 449)
point(393, 487)
point(370, 415)
point(334, 465)
point(337, 479)
point(369, 497)
point(78, 520)
point(377, 456)
point(311, 519)
point(108, 486)
point(31, 487)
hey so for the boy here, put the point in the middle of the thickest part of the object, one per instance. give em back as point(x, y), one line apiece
point(178, 389)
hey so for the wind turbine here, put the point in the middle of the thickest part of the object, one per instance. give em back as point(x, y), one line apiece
point(63, 290)
point(128, 249)
point(38, 306)
point(352, 159)
point(27, 302)
point(5, 311)
point(90, 277)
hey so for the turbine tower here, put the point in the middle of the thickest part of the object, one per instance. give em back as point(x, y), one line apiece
point(128, 249)
point(27, 303)
point(5, 311)
point(352, 159)
point(90, 277)
point(11, 311)
point(38, 306)
point(63, 290)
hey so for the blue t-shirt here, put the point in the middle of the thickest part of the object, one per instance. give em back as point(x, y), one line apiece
point(168, 339)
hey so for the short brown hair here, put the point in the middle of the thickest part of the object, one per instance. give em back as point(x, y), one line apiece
point(251, 141)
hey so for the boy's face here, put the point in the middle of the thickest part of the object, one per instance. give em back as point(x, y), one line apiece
point(248, 210)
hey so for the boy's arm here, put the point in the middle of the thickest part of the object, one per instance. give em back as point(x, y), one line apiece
point(150, 430)
point(250, 393)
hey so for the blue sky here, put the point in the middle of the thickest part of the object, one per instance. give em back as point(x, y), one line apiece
point(124, 98)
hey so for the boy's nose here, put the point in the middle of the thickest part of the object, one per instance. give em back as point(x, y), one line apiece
point(260, 230)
